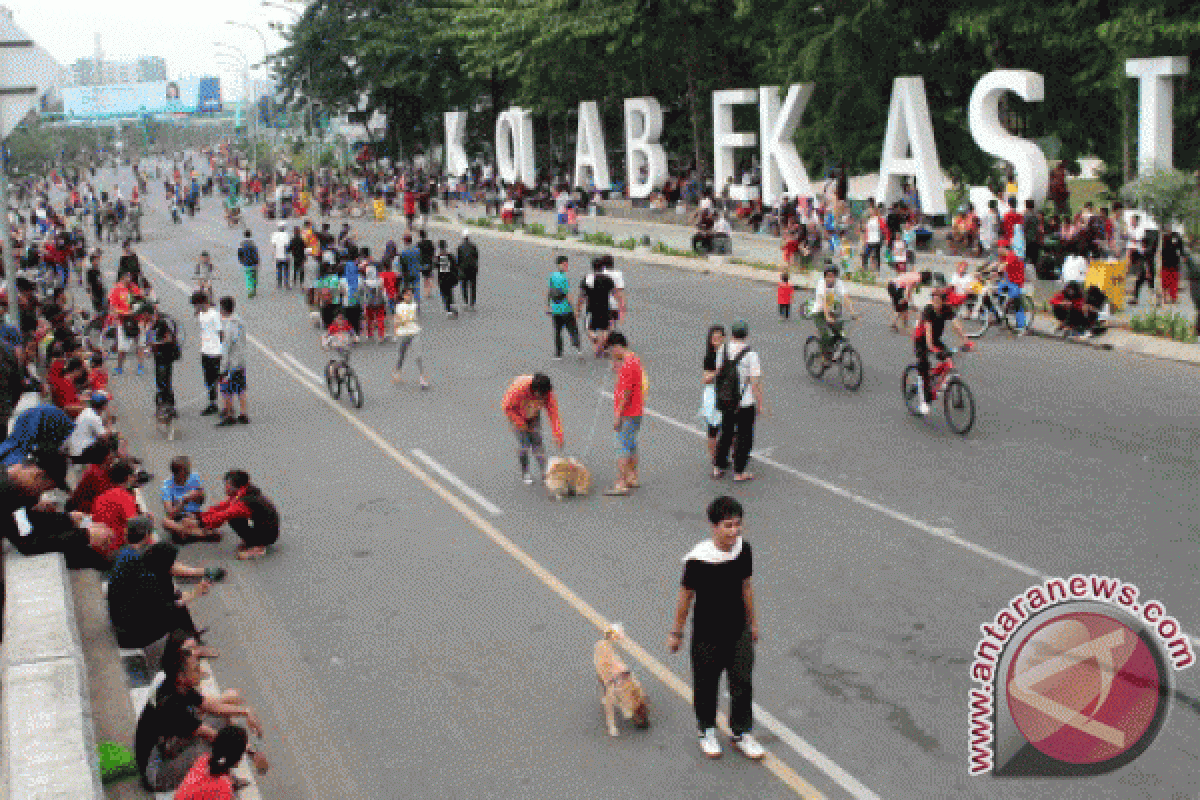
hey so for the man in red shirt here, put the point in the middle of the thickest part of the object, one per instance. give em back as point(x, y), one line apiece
point(1014, 279)
point(117, 505)
point(628, 400)
point(1012, 218)
point(62, 386)
point(120, 303)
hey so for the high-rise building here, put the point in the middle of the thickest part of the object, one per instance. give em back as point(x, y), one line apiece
point(151, 68)
point(94, 71)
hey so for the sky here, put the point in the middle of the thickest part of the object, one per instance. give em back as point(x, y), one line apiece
point(181, 31)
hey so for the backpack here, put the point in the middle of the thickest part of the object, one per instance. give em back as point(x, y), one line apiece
point(728, 383)
point(248, 253)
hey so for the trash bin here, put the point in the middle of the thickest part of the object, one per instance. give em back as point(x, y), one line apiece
point(1109, 275)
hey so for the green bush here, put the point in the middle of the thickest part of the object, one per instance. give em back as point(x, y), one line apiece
point(1174, 326)
point(536, 229)
point(603, 239)
point(628, 244)
point(506, 228)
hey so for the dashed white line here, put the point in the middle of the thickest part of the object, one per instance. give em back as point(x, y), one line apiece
point(457, 483)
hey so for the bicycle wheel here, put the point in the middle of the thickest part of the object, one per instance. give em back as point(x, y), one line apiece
point(333, 378)
point(973, 326)
point(353, 388)
point(959, 405)
point(814, 360)
point(911, 386)
point(852, 372)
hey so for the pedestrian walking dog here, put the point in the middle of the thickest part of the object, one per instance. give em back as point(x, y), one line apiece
point(619, 686)
point(566, 477)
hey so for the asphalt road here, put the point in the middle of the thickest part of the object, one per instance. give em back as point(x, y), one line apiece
point(398, 652)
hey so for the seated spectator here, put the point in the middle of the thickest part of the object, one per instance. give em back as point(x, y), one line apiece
point(43, 428)
point(183, 499)
point(91, 440)
point(179, 723)
point(117, 505)
point(209, 777)
point(93, 482)
point(702, 239)
point(251, 515)
point(1067, 306)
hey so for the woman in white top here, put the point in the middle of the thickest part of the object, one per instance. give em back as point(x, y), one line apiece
point(407, 330)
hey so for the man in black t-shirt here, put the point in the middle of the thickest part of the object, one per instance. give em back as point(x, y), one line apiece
point(594, 292)
point(129, 264)
point(927, 338)
point(426, 250)
point(717, 579)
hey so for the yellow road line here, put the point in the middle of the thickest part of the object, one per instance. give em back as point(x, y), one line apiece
point(773, 764)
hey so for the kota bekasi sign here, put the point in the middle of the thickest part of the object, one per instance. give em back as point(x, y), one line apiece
point(909, 147)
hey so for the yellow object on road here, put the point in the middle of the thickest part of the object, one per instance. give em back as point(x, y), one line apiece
point(380, 210)
point(1109, 275)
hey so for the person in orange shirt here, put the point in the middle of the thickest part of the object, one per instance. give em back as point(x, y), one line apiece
point(628, 400)
point(527, 395)
point(120, 304)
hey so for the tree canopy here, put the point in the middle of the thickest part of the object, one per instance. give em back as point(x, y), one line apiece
point(414, 59)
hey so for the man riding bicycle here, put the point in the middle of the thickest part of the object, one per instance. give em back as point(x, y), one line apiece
point(927, 338)
point(829, 299)
point(1013, 281)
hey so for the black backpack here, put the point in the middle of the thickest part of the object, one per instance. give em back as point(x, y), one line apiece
point(728, 383)
point(248, 253)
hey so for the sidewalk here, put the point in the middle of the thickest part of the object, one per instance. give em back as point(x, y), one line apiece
point(763, 252)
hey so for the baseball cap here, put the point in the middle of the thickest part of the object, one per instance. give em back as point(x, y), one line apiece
point(53, 463)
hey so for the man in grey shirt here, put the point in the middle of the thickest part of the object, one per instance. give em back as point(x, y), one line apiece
point(233, 364)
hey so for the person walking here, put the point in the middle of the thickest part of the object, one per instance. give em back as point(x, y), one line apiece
point(209, 321)
point(298, 249)
point(233, 364)
point(247, 256)
point(737, 420)
point(407, 330)
point(628, 400)
point(447, 273)
point(280, 242)
point(468, 269)
point(717, 581)
point(595, 293)
point(560, 308)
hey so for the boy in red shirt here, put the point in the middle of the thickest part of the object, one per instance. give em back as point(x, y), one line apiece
point(1014, 279)
point(783, 296)
point(628, 400)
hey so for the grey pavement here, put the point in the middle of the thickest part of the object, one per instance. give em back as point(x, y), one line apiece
point(398, 652)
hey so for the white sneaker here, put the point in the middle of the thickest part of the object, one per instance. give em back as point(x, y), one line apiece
point(1086, 335)
point(709, 744)
point(923, 409)
point(527, 479)
point(748, 746)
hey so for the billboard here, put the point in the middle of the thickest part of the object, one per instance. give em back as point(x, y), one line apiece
point(183, 96)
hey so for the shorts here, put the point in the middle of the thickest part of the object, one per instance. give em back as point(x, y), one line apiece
point(234, 382)
point(627, 436)
point(125, 342)
point(599, 322)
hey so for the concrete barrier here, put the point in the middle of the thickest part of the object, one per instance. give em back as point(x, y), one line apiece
point(49, 747)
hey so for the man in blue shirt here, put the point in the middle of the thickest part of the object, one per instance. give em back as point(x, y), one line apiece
point(410, 268)
point(560, 308)
point(183, 498)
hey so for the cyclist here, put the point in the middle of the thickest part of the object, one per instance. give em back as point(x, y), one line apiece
point(1013, 281)
point(828, 302)
point(927, 338)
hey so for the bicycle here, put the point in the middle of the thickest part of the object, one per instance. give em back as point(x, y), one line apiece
point(841, 352)
point(339, 373)
point(957, 401)
point(988, 302)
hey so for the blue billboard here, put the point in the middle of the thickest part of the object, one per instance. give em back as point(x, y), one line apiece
point(183, 96)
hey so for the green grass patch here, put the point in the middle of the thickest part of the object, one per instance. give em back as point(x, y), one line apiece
point(1171, 325)
point(628, 244)
point(602, 238)
point(536, 229)
point(862, 276)
point(507, 228)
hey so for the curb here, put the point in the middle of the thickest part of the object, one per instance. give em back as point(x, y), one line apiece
point(1125, 341)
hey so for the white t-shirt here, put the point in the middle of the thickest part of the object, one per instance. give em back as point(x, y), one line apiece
point(1137, 238)
point(406, 319)
point(280, 240)
point(88, 428)
point(749, 367)
point(963, 283)
point(210, 332)
point(987, 229)
point(831, 297)
point(618, 280)
point(874, 234)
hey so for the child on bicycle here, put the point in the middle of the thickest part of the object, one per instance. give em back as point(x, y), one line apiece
point(829, 300)
point(1013, 280)
point(927, 338)
point(339, 336)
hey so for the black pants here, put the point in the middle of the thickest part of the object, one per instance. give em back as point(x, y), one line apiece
point(734, 657)
point(564, 321)
point(254, 535)
point(1145, 274)
point(353, 314)
point(446, 285)
point(282, 276)
point(164, 383)
point(785, 310)
point(737, 431)
point(469, 284)
point(212, 374)
point(297, 270)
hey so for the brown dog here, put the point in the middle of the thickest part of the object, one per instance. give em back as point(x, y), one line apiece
point(618, 684)
point(566, 477)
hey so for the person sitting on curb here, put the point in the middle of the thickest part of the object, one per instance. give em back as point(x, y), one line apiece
point(251, 515)
point(183, 499)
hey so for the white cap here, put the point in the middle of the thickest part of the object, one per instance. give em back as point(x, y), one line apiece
point(465, 233)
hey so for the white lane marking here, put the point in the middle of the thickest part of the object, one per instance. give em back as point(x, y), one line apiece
point(945, 534)
point(457, 483)
point(660, 670)
point(941, 533)
point(291, 359)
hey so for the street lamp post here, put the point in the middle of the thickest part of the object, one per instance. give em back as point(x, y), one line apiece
point(266, 58)
point(252, 124)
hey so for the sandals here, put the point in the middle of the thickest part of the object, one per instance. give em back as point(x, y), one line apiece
point(616, 491)
point(741, 477)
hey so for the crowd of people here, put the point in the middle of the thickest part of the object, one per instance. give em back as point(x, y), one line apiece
point(70, 484)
